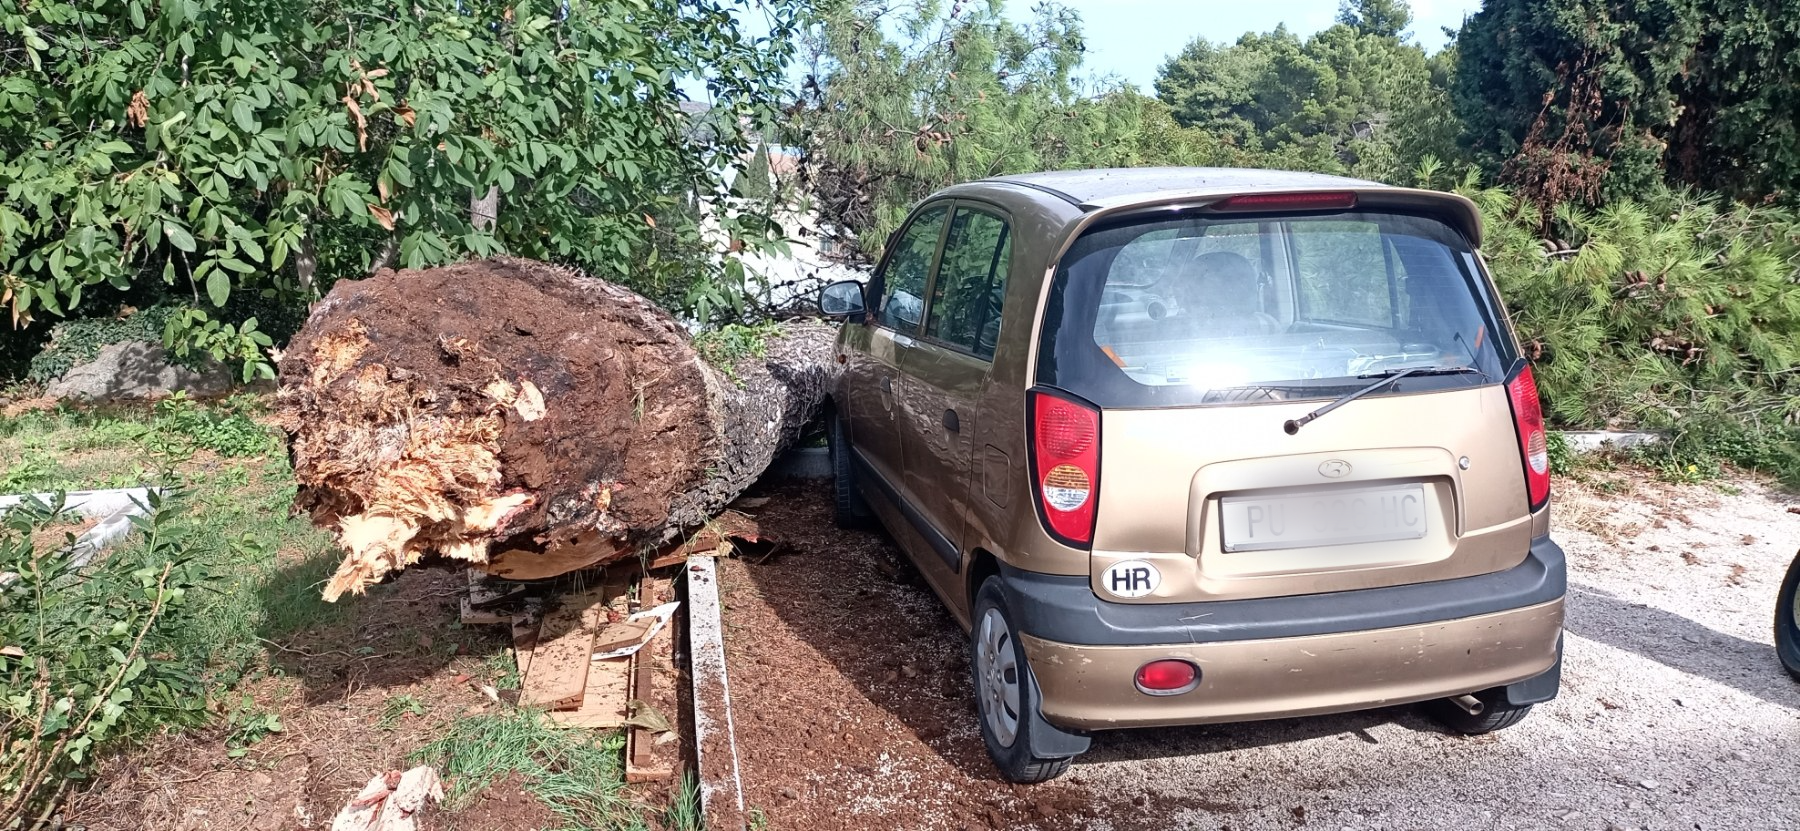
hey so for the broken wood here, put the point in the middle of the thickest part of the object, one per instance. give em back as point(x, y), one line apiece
point(391, 801)
point(564, 649)
point(604, 695)
point(524, 419)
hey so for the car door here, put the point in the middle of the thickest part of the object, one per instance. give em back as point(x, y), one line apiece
point(890, 330)
point(944, 375)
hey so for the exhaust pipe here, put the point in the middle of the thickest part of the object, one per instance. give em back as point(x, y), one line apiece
point(1469, 704)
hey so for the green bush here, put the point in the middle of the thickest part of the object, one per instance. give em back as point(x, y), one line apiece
point(96, 655)
point(1678, 314)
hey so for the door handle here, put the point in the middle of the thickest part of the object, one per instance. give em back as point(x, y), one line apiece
point(887, 385)
point(951, 422)
point(904, 342)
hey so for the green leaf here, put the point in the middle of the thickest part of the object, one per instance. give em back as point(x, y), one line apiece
point(179, 237)
point(218, 287)
point(245, 117)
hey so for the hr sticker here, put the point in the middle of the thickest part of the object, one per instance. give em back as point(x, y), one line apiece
point(1131, 578)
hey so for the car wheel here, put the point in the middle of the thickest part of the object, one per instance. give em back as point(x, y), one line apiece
point(1006, 694)
point(1787, 621)
point(848, 509)
point(1495, 713)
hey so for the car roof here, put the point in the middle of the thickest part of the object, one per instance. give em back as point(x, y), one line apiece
point(1108, 187)
point(1087, 193)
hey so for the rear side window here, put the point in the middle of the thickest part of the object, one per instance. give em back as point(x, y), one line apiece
point(908, 267)
point(971, 281)
point(1197, 309)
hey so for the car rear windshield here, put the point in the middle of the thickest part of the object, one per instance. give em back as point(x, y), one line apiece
point(1190, 310)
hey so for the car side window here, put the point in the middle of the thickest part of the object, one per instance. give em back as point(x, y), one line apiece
point(971, 283)
point(908, 268)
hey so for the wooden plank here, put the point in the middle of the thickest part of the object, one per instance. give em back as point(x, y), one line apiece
point(606, 696)
point(640, 742)
point(622, 634)
point(604, 700)
point(653, 683)
point(715, 732)
point(557, 678)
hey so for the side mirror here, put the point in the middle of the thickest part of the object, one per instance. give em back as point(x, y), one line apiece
point(843, 299)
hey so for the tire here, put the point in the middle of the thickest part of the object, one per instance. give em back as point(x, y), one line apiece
point(1787, 621)
point(1496, 714)
point(848, 510)
point(1011, 726)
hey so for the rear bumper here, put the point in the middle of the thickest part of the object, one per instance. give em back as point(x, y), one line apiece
point(1091, 687)
point(1064, 608)
point(1292, 656)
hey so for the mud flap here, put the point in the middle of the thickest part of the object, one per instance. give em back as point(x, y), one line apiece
point(1048, 740)
point(1538, 689)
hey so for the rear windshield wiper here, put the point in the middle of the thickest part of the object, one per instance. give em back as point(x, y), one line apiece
point(1386, 378)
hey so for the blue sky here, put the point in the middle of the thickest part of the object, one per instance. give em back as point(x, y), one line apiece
point(1132, 38)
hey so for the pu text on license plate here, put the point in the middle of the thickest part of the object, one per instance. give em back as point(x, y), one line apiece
point(1318, 518)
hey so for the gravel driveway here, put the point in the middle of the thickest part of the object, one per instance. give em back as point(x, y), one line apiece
point(1673, 714)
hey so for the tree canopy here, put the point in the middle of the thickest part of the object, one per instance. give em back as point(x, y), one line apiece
point(1588, 98)
point(218, 148)
point(904, 97)
point(1354, 97)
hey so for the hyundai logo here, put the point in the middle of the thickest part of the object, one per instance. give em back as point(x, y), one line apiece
point(1334, 468)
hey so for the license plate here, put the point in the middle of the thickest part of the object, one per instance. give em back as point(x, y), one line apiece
point(1319, 518)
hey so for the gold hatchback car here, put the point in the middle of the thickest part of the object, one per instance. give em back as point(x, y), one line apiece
point(1187, 446)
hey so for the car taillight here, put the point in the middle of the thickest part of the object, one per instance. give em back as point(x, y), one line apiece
point(1534, 443)
point(1066, 461)
point(1167, 677)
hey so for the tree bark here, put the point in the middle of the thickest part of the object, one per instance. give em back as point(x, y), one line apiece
point(524, 419)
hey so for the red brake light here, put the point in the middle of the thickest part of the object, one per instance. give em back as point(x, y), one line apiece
point(1534, 442)
point(1066, 464)
point(1329, 200)
point(1167, 677)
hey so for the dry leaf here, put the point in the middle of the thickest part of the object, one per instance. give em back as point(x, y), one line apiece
point(12, 652)
point(406, 114)
point(383, 216)
point(645, 716)
point(650, 220)
point(356, 115)
point(137, 113)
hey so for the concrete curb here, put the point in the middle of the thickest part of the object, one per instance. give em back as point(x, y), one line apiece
point(721, 785)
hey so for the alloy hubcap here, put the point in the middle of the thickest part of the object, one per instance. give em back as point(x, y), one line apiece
point(997, 674)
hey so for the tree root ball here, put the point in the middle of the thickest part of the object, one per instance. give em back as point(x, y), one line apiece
point(524, 419)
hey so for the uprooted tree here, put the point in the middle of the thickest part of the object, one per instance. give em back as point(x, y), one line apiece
point(524, 419)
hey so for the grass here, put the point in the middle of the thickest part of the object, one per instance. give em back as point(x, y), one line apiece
point(579, 775)
point(236, 487)
point(228, 470)
point(684, 810)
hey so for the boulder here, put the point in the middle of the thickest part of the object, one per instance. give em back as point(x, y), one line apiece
point(137, 370)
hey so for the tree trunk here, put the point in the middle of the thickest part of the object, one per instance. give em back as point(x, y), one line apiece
point(524, 419)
